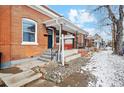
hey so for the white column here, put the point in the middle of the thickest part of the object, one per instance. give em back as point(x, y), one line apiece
point(62, 53)
point(98, 45)
point(59, 53)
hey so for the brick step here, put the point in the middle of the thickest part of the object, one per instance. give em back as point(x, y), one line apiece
point(72, 57)
point(21, 79)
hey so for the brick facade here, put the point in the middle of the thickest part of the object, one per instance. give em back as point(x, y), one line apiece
point(19, 12)
point(5, 32)
point(11, 32)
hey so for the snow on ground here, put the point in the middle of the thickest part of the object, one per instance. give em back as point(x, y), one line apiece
point(107, 68)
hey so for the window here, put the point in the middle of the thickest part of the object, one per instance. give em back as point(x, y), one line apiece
point(57, 36)
point(29, 29)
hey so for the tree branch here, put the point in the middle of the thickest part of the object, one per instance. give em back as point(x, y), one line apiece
point(111, 14)
point(121, 13)
point(107, 24)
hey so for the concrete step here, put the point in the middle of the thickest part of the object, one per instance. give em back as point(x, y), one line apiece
point(27, 80)
point(46, 56)
point(49, 50)
point(72, 57)
point(29, 65)
point(3, 75)
point(70, 52)
point(47, 53)
point(21, 79)
point(43, 59)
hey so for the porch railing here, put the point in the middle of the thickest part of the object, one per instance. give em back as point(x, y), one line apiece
point(54, 53)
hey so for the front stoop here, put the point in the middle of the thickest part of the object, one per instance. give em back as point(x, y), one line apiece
point(21, 79)
point(72, 57)
point(47, 56)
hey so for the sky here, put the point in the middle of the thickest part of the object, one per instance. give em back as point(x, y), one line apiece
point(82, 16)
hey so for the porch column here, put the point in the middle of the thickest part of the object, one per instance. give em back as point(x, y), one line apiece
point(84, 40)
point(62, 52)
point(75, 40)
point(60, 42)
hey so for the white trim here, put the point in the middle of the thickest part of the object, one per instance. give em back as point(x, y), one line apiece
point(57, 44)
point(43, 10)
point(30, 43)
point(53, 38)
point(67, 25)
point(68, 37)
point(57, 18)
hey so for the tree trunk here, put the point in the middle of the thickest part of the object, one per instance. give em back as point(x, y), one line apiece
point(119, 37)
point(114, 46)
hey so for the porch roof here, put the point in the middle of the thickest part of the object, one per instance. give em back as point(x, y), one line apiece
point(66, 25)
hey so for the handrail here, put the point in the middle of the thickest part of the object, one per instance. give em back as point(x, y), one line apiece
point(53, 53)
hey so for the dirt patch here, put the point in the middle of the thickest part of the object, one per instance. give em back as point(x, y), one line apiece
point(41, 83)
point(57, 73)
point(75, 80)
point(12, 70)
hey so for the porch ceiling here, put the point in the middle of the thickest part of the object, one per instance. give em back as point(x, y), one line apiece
point(66, 25)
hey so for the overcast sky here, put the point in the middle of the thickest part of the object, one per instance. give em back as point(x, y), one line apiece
point(81, 16)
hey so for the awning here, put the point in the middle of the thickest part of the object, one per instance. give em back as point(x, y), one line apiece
point(66, 25)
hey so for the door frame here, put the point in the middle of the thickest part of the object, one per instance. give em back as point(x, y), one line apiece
point(52, 30)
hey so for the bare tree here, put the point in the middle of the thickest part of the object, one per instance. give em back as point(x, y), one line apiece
point(116, 21)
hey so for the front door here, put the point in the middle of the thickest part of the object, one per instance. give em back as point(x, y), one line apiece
point(50, 41)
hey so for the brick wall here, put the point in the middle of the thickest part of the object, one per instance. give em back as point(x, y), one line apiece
point(5, 14)
point(11, 32)
point(22, 51)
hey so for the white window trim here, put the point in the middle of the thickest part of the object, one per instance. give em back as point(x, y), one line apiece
point(30, 43)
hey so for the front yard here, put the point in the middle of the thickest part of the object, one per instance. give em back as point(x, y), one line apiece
point(103, 69)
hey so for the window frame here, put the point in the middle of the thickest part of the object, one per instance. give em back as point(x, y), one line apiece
point(26, 42)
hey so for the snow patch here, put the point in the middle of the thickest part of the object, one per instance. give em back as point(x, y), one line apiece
point(107, 68)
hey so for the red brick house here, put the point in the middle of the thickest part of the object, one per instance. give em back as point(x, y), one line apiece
point(27, 31)
point(89, 41)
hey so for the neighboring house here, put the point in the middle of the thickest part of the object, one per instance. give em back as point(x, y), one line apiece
point(27, 31)
point(89, 41)
point(98, 41)
point(81, 42)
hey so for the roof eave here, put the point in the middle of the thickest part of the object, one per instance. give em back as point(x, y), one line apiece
point(44, 10)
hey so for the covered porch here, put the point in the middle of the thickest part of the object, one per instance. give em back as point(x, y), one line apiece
point(63, 26)
point(65, 36)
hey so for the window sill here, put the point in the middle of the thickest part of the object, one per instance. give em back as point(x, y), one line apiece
point(29, 43)
point(57, 43)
